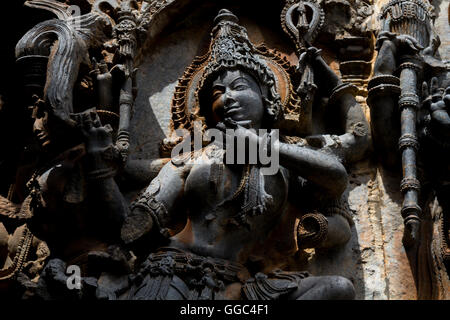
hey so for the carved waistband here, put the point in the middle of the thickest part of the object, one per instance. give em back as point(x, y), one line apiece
point(168, 261)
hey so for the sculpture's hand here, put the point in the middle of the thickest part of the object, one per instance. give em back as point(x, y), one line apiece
point(440, 98)
point(426, 96)
point(408, 42)
point(437, 101)
point(315, 72)
point(239, 132)
point(391, 46)
point(96, 136)
point(308, 57)
point(328, 143)
point(402, 42)
point(432, 48)
point(100, 153)
point(383, 36)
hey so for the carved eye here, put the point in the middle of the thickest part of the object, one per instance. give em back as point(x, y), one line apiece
point(217, 94)
point(40, 114)
point(239, 84)
point(240, 87)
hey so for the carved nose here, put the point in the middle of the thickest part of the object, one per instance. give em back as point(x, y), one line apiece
point(228, 99)
point(37, 125)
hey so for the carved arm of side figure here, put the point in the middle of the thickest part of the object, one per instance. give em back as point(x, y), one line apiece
point(100, 165)
point(353, 140)
point(321, 169)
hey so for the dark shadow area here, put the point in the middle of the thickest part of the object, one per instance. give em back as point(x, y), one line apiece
point(15, 120)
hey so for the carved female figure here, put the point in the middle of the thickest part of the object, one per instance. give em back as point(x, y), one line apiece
point(211, 215)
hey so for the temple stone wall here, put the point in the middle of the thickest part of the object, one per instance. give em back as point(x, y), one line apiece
point(442, 26)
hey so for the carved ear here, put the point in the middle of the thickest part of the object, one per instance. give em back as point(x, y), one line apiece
point(264, 91)
point(267, 104)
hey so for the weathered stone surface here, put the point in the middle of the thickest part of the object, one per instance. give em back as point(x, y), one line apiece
point(398, 275)
point(442, 26)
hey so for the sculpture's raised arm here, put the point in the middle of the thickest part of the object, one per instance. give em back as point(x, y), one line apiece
point(353, 130)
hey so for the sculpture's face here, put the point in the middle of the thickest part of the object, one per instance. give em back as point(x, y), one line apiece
point(40, 126)
point(237, 95)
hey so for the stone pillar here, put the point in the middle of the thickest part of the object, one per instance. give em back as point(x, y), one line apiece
point(408, 145)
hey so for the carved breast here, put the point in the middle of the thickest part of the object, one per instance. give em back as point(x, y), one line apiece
point(219, 224)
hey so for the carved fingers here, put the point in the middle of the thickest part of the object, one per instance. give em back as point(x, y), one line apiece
point(401, 42)
point(447, 97)
point(439, 96)
point(408, 42)
point(309, 55)
point(426, 96)
point(435, 98)
point(437, 102)
point(382, 36)
point(435, 90)
point(95, 135)
point(238, 130)
point(432, 48)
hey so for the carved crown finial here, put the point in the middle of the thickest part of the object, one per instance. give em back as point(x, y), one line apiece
point(225, 15)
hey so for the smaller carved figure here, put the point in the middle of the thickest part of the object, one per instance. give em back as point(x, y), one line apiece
point(71, 195)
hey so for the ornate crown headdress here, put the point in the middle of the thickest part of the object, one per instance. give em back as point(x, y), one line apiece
point(231, 48)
